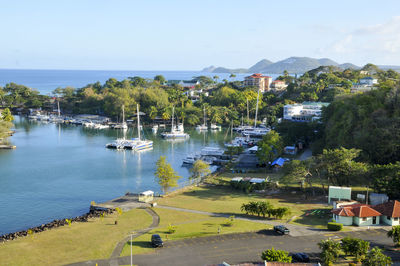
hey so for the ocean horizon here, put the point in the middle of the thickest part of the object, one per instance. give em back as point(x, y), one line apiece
point(45, 80)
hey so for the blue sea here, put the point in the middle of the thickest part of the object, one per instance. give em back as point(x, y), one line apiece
point(45, 81)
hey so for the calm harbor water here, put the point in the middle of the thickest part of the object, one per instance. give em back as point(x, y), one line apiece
point(45, 81)
point(57, 170)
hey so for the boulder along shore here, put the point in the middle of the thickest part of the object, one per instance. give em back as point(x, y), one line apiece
point(93, 213)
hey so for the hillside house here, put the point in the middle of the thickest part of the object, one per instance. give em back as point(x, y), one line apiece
point(263, 83)
point(278, 85)
point(305, 112)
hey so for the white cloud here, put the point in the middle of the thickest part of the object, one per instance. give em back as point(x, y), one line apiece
point(378, 43)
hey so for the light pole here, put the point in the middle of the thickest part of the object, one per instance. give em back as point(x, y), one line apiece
point(131, 250)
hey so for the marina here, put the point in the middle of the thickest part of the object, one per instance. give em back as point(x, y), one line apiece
point(86, 171)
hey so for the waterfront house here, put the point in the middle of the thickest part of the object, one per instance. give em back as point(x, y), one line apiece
point(258, 80)
point(305, 112)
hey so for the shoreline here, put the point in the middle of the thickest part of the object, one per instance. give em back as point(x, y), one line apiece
point(93, 213)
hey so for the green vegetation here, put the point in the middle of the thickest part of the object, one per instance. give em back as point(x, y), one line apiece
point(264, 208)
point(270, 147)
point(375, 257)
point(330, 251)
point(276, 255)
point(355, 247)
point(165, 175)
point(394, 233)
point(5, 123)
point(199, 170)
point(335, 226)
point(227, 201)
point(95, 239)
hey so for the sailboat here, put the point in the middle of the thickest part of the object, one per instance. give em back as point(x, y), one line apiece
point(203, 127)
point(124, 125)
point(176, 132)
point(256, 132)
point(138, 143)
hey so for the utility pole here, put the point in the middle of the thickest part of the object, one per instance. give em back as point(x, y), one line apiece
point(131, 251)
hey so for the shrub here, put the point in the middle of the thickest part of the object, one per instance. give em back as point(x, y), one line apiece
point(229, 222)
point(171, 229)
point(335, 226)
point(276, 255)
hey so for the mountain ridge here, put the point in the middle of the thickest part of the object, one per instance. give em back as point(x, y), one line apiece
point(292, 65)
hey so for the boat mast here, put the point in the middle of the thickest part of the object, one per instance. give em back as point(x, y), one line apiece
point(204, 108)
point(123, 114)
point(248, 118)
point(138, 120)
point(172, 123)
point(58, 108)
point(258, 97)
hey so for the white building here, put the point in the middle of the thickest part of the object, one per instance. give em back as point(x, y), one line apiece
point(368, 81)
point(307, 111)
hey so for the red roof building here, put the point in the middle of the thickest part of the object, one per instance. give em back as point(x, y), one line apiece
point(258, 80)
point(358, 214)
point(390, 212)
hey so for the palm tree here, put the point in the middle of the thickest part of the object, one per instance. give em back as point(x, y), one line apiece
point(153, 112)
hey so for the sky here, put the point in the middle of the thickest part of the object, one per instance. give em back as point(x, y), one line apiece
point(193, 34)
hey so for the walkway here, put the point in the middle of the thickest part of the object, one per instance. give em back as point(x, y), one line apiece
point(113, 261)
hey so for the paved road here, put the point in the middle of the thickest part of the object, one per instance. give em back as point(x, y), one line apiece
point(236, 248)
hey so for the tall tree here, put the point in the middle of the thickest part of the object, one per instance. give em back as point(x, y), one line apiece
point(340, 168)
point(269, 147)
point(199, 170)
point(165, 175)
point(160, 79)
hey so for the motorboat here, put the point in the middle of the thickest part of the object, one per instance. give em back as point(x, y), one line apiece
point(215, 127)
point(256, 132)
point(191, 158)
point(212, 151)
point(154, 129)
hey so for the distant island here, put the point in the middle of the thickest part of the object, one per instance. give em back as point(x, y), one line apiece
point(291, 65)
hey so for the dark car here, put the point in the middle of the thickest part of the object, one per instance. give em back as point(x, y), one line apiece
point(156, 241)
point(300, 257)
point(281, 229)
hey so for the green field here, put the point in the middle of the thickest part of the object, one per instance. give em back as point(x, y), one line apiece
point(225, 200)
point(189, 225)
point(95, 239)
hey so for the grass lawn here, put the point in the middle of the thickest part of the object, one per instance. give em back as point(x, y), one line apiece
point(228, 201)
point(95, 239)
point(189, 225)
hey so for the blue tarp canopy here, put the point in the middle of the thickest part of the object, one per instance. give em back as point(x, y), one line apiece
point(280, 161)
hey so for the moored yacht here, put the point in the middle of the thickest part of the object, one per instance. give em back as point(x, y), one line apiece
point(176, 132)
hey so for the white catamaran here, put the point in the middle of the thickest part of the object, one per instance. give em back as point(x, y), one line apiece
point(176, 132)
